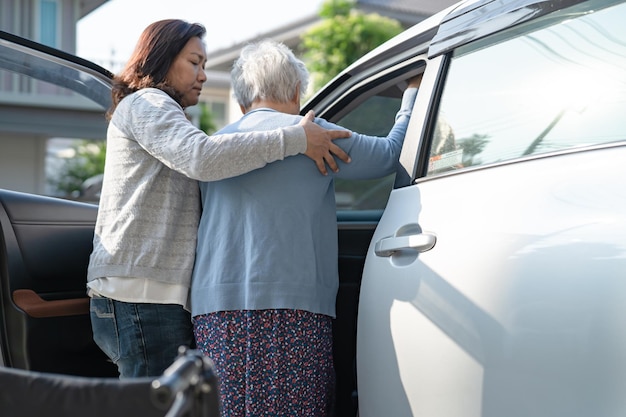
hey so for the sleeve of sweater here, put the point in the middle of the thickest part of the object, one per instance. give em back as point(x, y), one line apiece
point(161, 127)
point(375, 156)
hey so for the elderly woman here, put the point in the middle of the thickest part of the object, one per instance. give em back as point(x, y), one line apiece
point(265, 280)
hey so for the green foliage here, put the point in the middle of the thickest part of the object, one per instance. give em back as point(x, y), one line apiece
point(207, 125)
point(334, 8)
point(88, 160)
point(343, 36)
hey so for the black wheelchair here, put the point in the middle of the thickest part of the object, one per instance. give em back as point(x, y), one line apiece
point(188, 388)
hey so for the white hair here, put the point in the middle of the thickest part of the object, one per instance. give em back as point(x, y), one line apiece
point(267, 70)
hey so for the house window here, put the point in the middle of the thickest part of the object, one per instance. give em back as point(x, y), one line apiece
point(48, 11)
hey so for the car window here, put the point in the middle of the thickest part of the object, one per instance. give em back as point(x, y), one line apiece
point(29, 73)
point(375, 116)
point(50, 104)
point(555, 87)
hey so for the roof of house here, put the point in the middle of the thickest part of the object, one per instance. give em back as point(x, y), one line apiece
point(222, 59)
point(88, 6)
point(407, 12)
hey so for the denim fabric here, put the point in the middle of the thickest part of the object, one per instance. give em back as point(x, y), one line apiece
point(141, 339)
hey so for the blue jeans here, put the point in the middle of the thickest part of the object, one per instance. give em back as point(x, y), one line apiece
point(141, 339)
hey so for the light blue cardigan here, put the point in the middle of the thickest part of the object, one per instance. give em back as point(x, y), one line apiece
point(268, 239)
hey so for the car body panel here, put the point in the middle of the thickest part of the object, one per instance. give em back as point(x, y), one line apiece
point(503, 293)
point(518, 317)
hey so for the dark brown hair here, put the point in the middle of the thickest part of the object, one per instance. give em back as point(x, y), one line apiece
point(156, 49)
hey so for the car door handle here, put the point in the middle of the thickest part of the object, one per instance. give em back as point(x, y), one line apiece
point(421, 242)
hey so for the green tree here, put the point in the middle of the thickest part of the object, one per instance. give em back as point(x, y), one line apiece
point(207, 125)
point(86, 162)
point(343, 36)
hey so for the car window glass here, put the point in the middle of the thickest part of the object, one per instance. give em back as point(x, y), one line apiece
point(559, 87)
point(33, 76)
point(50, 108)
point(375, 116)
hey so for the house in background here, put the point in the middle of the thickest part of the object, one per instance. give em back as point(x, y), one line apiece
point(34, 116)
point(32, 112)
point(216, 92)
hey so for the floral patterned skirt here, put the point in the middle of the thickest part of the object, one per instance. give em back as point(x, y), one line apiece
point(270, 362)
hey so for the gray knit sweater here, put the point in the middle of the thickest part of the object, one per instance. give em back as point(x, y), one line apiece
point(150, 207)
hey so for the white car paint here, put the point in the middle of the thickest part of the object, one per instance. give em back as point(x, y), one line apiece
point(518, 307)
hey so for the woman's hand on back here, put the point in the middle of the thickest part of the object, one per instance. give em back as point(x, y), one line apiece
point(319, 144)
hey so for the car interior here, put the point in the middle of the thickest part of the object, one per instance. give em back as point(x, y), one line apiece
point(44, 251)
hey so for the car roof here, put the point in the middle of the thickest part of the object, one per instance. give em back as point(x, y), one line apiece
point(472, 20)
point(457, 25)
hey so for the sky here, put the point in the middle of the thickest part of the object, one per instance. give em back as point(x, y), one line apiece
point(111, 31)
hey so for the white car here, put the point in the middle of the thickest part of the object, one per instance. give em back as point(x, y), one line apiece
point(495, 281)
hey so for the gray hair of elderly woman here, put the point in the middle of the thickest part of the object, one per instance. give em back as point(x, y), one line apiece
point(267, 70)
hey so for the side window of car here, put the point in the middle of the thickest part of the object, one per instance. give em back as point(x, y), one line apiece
point(375, 116)
point(545, 87)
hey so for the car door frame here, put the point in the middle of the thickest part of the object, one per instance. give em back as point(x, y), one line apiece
point(356, 228)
